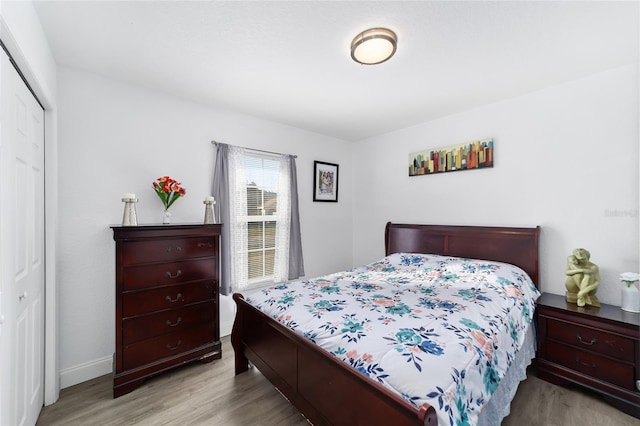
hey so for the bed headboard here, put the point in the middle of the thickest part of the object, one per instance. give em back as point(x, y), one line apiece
point(517, 246)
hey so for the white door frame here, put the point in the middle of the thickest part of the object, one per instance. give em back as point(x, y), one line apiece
point(47, 99)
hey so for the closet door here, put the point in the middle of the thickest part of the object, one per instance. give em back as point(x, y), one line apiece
point(21, 250)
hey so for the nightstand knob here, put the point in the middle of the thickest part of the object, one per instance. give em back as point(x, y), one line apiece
point(592, 342)
point(586, 364)
point(638, 384)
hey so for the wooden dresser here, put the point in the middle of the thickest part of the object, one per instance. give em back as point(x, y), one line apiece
point(166, 299)
point(597, 348)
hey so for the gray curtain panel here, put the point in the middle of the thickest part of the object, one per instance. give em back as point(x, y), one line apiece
point(296, 262)
point(221, 194)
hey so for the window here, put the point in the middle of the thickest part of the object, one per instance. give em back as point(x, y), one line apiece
point(260, 218)
point(257, 197)
point(262, 175)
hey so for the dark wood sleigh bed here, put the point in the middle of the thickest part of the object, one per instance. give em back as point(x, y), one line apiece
point(328, 391)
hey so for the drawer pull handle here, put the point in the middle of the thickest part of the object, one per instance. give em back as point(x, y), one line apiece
point(586, 364)
point(207, 245)
point(173, 324)
point(592, 342)
point(170, 300)
point(176, 275)
point(173, 348)
point(638, 384)
point(170, 249)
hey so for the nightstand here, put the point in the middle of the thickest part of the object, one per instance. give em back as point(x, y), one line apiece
point(596, 348)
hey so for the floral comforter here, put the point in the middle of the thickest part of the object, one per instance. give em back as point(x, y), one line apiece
point(434, 329)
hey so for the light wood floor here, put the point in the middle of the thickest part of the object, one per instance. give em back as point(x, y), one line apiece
point(210, 394)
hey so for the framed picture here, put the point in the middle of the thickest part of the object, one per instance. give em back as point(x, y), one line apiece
point(472, 155)
point(325, 182)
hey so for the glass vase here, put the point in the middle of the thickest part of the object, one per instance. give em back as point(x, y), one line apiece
point(166, 217)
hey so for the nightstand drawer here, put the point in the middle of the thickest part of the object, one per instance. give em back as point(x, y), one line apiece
point(169, 321)
point(167, 250)
point(169, 297)
point(591, 339)
point(610, 371)
point(155, 275)
point(594, 347)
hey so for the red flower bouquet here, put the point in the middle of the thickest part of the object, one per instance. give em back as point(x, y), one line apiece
point(169, 190)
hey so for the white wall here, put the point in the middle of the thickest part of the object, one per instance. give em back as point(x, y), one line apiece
point(566, 158)
point(117, 138)
point(22, 35)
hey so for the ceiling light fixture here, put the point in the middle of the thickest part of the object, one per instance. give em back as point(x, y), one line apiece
point(374, 46)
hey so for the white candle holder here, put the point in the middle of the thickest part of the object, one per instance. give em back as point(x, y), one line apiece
point(209, 214)
point(129, 217)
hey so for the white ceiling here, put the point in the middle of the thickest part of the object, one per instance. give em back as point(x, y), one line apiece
point(289, 61)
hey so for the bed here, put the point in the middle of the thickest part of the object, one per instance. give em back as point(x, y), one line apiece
point(332, 385)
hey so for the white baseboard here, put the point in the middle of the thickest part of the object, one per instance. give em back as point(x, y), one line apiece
point(100, 367)
point(87, 371)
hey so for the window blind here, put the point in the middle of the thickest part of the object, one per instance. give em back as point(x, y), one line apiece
point(262, 175)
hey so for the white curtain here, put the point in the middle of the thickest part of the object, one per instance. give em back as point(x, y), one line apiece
point(238, 225)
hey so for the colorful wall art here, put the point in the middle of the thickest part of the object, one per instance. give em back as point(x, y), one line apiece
point(472, 155)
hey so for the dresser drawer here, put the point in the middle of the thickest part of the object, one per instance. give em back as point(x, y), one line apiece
point(175, 296)
point(591, 364)
point(155, 275)
point(591, 339)
point(168, 321)
point(166, 345)
point(167, 250)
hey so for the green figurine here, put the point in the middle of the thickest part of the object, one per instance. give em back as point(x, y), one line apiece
point(583, 279)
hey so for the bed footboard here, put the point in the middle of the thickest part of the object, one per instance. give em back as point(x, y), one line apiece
point(324, 389)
